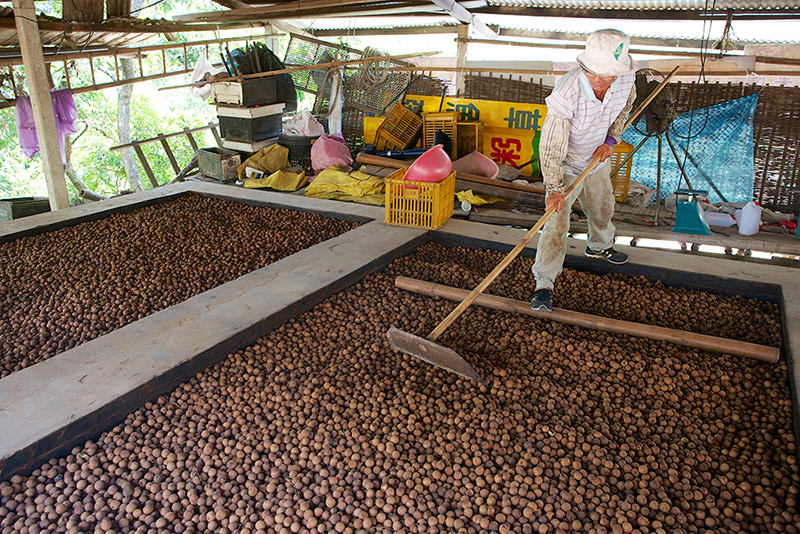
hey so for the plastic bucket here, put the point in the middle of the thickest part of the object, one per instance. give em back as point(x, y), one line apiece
point(299, 149)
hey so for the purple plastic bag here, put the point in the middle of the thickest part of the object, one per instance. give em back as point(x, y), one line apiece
point(66, 115)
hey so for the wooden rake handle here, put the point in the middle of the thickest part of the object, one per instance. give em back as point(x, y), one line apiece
point(456, 313)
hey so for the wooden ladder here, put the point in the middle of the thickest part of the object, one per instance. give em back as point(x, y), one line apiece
point(162, 138)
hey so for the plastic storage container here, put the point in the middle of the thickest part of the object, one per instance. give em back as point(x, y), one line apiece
point(469, 136)
point(750, 219)
point(622, 178)
point(419, 204)
point(401, 129)
point(445, 122)
point(299, 149)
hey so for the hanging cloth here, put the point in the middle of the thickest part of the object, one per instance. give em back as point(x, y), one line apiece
point(66, 115)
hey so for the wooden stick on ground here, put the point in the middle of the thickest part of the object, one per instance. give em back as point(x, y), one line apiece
point(595, 322)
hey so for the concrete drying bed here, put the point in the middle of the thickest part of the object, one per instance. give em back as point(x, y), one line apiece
point(48, 408)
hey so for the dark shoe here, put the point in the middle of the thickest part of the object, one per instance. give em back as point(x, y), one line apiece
point(610, 255)
point(542, 300)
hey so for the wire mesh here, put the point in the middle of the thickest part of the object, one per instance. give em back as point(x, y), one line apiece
point(372, 87)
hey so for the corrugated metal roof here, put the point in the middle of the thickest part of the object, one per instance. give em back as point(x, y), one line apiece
point(646, 40)
point(366, 24)
point(689, 5)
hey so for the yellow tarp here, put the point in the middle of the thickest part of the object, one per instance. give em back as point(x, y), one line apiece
point(476, 200)
point(355, 186)
point(280, 180)
point(267, 160)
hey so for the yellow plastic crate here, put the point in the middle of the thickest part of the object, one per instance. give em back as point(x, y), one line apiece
point(419, 204)
point(621, 179)
point(400, 129)
point(446, 122)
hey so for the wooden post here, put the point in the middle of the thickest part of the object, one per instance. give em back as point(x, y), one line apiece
point(191, 139)
point(461, 60)
point(41, 103)
point(595, 322)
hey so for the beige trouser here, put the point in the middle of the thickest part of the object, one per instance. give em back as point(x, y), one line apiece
point(596, 199)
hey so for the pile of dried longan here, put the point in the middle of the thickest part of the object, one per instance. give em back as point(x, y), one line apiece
point(321, 427)
point(68, 286)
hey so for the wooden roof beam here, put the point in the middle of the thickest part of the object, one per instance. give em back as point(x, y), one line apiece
point(117, 26)
point(462, 14)
point(306, 7)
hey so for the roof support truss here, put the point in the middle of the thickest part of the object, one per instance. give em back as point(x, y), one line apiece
point(462, 14)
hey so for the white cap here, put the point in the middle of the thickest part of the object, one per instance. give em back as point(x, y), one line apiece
point(606, 53)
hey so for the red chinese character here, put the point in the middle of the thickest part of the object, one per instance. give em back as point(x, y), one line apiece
point(505, 152)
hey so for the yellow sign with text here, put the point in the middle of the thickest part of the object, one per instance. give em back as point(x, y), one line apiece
point(511, 129)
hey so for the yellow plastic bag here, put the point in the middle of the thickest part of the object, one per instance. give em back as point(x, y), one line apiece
point(280, 180)
point(267, 160)
point(355, 186)
point(476, 200)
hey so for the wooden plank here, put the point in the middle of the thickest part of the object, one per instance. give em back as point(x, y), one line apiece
point(631, 226)
point(217, 137)
point(185, 131)
point(191, 139)
point(127, 28)
point(41, 103)
point(530, 199)
point(170, 155)
point(277, 11)
point(146, 166)
point(303, 68)
point(461, 57)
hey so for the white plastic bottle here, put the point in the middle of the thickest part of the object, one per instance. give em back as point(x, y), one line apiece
point(750, 219)
point(714, 218)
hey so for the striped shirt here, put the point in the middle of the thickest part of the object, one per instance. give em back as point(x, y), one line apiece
point(577, 123)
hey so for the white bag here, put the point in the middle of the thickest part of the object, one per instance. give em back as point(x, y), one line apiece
point(202, 68)
point(303, 124)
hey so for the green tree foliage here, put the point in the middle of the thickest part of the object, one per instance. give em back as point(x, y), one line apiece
point(152, 112)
